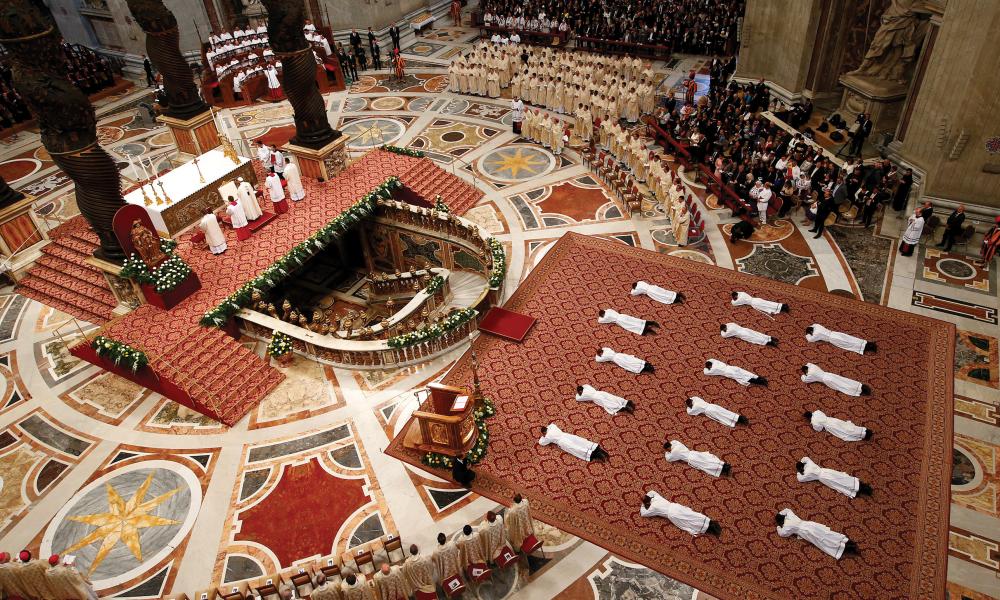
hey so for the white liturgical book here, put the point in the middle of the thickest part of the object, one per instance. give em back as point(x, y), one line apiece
point(460, 403)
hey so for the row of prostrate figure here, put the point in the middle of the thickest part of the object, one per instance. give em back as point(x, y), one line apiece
point(653, 504)
point(52, 579)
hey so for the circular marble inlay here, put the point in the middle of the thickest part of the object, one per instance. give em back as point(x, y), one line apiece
point(363, 84)
point(438, 83)
point(389, 103)
point(420, 104)
point(956, 269)
point(453, 136)
point(369, 133)
point(692, 255)
point(126, 521)
point(456, 106)
point(161, 139)
point(19, 168)
point(42, 154)
point(132, 149)
point(516, 163)
point(109, 135)
point(355, 104)
point(777, 263)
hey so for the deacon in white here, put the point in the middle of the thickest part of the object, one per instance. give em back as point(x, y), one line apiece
point(703, 461)
point(697, 406)
point(607, 401)
point(845, 430)
point(656, 293)
point(209, 225)
point(764, 306)
point(264, 155)
point(248, 200)
point(813, 374)
point(695, 523)
point(625, 361)
point(831, 542)
point(818, 333)
point(742, 376)
point(295, 190)
point(848, 485)
point(627, 322)
point(747, 335)
point(573, 444)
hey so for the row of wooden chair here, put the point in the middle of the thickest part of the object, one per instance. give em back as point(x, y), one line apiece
point(619, 180)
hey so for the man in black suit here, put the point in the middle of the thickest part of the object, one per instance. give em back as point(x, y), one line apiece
point(394, 34)
point(953, 227)
point(362, 59)
point(148, 66)
point(840, 192)
point(352, 64)
point(902, 194)
point(371, 41)
point(826, 206)
point(355, 40)
point(864, 130)
point(377, 57)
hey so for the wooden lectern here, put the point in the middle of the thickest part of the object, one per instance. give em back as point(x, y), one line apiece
point(444, 426)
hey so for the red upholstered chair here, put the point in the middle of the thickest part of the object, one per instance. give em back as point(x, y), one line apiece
point(505, 558)
point(453, 586)
point(478, 572)
point(418, 595)
point(531, 544)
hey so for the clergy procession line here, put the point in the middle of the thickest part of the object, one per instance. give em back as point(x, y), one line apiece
point(654, 504)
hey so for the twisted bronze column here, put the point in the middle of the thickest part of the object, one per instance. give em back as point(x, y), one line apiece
point(65, 117)
point(8, 195)
point(298, 73)
point(163, 48)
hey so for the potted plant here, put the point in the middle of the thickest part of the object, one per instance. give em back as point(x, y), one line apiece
point(281, 348)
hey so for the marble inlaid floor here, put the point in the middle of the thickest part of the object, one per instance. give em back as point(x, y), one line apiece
point(73, 441)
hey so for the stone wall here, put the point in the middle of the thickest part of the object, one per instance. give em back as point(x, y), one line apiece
point(778, 40)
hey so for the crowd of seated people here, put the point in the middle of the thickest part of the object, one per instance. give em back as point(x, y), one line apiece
point(248, 51)
point(691, 26)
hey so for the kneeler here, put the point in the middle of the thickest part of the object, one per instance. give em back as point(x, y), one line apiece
point(453, 586)
point(478, 572)
point(505, 558)
point(425, 595)
point(530, 544)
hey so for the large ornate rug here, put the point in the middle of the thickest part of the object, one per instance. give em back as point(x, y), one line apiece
point(901, 531)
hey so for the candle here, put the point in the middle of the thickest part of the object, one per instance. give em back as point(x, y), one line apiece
point(144, 172)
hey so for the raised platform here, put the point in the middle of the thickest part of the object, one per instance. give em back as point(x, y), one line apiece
point(902, 531)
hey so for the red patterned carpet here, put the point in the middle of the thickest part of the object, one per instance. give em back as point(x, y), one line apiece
point(901, 531)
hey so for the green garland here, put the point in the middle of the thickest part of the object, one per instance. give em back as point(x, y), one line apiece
point(434, 284)
point(298, 255)
point(170, 274)
point(478, 451)
point(430, 332)
point(403, 151)
point(440, 206)
point(119, 353)
point(499, 270)
point(280, 345)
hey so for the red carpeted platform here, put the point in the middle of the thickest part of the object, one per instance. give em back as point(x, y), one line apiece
point(507, 324)
point(901, 531)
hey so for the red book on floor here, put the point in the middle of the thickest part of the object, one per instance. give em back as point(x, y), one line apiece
point(506, 323)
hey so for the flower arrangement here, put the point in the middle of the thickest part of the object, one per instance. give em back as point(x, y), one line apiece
point(119, 353)
point(499, 270)
point(436, 330)
point(440, 206)
point(280, 345)
point(170, 274)
point(298, 255)
point(434, 284)
point(403, 151)
point(478, 450)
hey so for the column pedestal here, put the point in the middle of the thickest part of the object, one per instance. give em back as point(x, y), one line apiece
point(194, 136)
point(22, 236)
point(883, 99)
point(126, 292)
point(324, 163)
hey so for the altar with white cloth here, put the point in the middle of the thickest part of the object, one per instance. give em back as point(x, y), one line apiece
point(191, 188)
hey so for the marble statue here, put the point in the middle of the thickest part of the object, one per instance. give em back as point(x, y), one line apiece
point(896, 44)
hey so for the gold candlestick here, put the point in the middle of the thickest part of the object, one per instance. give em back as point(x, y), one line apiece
point(165, 196)
point(201, 178)
point(145, 198)
point(159, 201)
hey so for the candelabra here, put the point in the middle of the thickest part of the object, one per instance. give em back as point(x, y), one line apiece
point(145, 198)
point(166, 198)
point(201, 178)
point(159, 201)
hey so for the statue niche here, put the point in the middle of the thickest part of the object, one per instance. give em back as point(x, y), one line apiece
point(896, 45)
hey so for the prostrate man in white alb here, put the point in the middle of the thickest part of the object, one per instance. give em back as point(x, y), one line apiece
point(609, 402)
point(697, 406)
point(626, 322)
point(813, 374)
point(845, 430)
point(703, 461)
point(695, 523)
point(747, 335)
point(718, 368)
point(625, 361)
point(818, 333)
point(848, 485)
point(764, 306)
point(657, 293)
point(831, 542)
point(573, 444)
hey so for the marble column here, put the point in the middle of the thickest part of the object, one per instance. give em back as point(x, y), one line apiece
point(777, 43)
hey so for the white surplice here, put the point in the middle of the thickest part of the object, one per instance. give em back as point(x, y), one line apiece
point(845, 430)
point(274, 189)
point(608, 402)
point(295, 190)
point(746, 334)
point(817, 534)
point(703, 461)
point(835, 480)
point(216, 241)
point(625, 361)
point(765, 306)
point(840, 383)
point(681, 516)
point(655, 292)
point(838, 339)
point(237, 217)
point(248, 200)
point(712, 411)
point(719, 368)
point(574, 444)
point(626, 322)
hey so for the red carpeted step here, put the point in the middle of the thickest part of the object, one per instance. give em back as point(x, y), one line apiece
point(83, 273)
point(71, 241)
point(73, 310)
point(74, 284)
point(66, 253)
point(69, 297)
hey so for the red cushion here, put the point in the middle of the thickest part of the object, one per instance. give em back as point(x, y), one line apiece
point(453, 586)
point(478, 572)
point(530, 544)
point(425, 595)
point(505, 557)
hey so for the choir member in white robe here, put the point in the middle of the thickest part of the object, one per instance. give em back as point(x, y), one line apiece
point(323, 589)
point(238, 219)
point(278, 161)
point(419, 572)
point(747, 335)
point(848, 485)
point(845, 430)
point(573, 444)
point(355, 588)
point(277, 193)
point(609, 402)
point(695, 523)
point(831, 542)
point(657, 293)
point(818, 333)
point(273, 85)
point(703, 461)
point(66, 582)
point(764, 306)
point(493, 536)
point(295, 190)
point(389, 583)
point(625, 361)
point(518, 522)
point(813, 374)
point(718, 368)
point(209, 225)
point(626, 322)
point(248, 200)
point(698, 406)
point(447, 559)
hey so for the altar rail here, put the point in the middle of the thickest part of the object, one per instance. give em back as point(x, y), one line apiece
point(388, 285)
